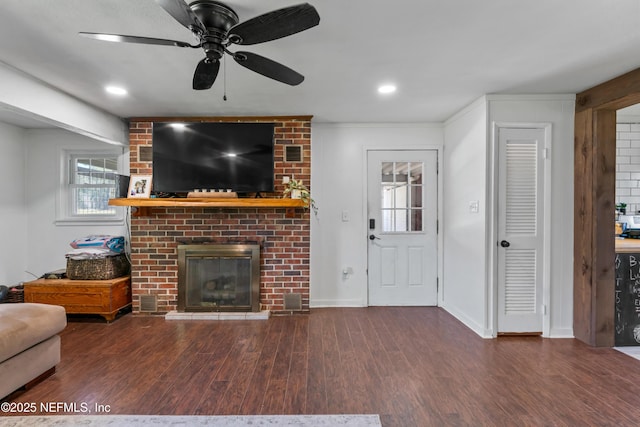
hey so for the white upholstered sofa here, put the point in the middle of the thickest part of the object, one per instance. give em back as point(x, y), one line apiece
point(29, 344)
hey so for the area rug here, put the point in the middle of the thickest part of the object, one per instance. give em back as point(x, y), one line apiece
point(197, 420)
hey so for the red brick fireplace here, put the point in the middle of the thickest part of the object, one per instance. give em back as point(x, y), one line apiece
point(285, 242)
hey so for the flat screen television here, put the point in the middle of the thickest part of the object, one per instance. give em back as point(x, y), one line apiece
point(213, 156)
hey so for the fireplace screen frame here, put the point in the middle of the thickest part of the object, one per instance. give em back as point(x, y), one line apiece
point(203, 251)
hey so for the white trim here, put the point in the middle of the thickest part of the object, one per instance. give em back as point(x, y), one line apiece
point(323, 303)
point(546, 268)
point(532, 97)
point(466, 110)
point(469, 323)
point(440, 206)
point(492, 247)
point(561, 333)
point(357, 125)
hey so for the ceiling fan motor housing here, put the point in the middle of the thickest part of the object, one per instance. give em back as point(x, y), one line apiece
point(217, 18)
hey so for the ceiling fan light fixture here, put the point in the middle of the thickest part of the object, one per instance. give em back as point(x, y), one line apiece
point(116, 90)
point(386, 89)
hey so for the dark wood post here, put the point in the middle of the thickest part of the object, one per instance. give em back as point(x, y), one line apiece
point(594, 206)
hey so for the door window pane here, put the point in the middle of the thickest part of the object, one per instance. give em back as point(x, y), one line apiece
point(402, 196)
point(416, 219)
point(415, 171)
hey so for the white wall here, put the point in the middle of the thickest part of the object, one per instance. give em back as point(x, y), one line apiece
point(469, 243)
point(29, 172)
point(338, 184)
point(465, 178)
point(48, 243)
point(13, 220)
point(558, 110)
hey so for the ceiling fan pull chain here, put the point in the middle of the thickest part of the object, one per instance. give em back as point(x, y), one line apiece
point(224, 77)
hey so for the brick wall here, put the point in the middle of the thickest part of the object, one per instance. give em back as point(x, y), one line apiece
point(628, 166)
point(285, 241)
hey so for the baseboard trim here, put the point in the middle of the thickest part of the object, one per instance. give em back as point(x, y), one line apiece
point(327, 303)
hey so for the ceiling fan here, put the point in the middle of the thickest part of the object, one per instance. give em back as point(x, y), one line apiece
point(216, 27)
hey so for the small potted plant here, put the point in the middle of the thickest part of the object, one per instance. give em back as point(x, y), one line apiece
point(297, 190)
point(622, 208)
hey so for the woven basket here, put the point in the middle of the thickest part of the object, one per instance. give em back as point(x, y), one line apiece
point(15, 294)
point(98, 269)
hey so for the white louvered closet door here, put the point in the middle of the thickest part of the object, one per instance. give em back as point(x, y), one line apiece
point(520, 234)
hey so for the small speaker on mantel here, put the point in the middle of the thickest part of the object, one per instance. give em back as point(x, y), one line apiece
point(293, 153)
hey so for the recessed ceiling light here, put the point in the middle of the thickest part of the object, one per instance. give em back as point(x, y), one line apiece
point(115, 90)
point(177, 125)
point(385, 89)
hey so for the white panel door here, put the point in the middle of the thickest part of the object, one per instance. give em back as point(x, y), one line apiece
point(402, 211)
point(520, 229)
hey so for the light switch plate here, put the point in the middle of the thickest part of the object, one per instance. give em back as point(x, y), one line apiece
point(474, 206)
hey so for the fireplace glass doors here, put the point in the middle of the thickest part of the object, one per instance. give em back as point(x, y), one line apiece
point(222, 277)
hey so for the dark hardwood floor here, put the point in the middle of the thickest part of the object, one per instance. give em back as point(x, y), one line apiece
point(413, 366)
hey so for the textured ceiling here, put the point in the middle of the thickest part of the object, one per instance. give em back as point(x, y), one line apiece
point(442, 55)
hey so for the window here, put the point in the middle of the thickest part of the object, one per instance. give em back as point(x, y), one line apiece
point(88, 181)
point(401, 202)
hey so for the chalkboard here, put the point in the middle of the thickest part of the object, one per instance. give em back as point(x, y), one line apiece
point(627, 299)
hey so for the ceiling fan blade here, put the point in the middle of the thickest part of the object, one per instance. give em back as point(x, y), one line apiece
point(268, 68)
point(182, 13)
point(206, 73)
point(274, 25)
point(134, 39)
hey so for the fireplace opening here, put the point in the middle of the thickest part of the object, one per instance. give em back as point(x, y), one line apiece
point(221, 277)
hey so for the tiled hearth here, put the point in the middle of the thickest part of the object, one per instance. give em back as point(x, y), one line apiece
point(175, 315)
point(285, 242)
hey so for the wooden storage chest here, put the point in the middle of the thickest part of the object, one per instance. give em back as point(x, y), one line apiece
point(102, 297)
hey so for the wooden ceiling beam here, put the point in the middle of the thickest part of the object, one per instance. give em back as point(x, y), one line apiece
point(617, 93)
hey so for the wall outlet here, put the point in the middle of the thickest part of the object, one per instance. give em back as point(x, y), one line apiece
point(474, 206)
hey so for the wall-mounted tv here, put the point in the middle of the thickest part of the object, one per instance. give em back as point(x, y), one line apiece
point(213, 155)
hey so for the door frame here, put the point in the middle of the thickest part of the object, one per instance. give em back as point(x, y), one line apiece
point(365, 208)
point(492, 241)
point(594, 197)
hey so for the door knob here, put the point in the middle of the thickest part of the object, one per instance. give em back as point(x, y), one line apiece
point(373, 237)
point(505, 244)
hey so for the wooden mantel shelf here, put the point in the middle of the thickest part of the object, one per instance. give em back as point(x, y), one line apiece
point(144, 205)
